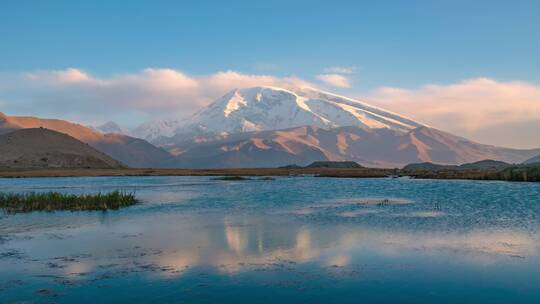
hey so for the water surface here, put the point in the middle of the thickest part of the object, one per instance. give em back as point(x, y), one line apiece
point(297, 240)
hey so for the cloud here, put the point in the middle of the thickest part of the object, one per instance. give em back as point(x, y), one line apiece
point(477, 108)
point(482, 109)
point(335, 80)
point(152, 93)
point(340, 70)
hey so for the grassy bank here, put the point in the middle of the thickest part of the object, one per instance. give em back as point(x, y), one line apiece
point(530, 173)
point(54, 201)
point(516, 173)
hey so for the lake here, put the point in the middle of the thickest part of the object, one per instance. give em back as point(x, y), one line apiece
point(287, 240)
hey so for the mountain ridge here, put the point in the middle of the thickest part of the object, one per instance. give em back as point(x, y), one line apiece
point(264, 108)
point(272, 127)
point(533, 160)
point(131, 151)
point(44, 148)
point(370, 147)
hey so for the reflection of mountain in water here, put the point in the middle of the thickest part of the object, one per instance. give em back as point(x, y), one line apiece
point(245, 246)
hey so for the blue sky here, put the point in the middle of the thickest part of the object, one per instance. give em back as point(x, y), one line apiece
point(467, 67)
point(392, 43)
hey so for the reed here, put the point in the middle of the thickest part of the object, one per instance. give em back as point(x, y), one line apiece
point(55, 201)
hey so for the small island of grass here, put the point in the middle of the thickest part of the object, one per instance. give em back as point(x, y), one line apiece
point(55, 201)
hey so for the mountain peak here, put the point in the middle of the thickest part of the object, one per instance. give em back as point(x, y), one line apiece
point(262, 108)
point(271, 108)
point(109, 127)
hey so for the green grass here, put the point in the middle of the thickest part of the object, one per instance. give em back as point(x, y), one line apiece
point(55, 201)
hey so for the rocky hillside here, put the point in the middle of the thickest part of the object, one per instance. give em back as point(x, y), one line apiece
point(133, 152)
point(533, 160)
point(370, 147)
point(43, 148)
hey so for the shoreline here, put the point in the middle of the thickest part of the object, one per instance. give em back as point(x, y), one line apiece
point(323, 172)
point(487, 175)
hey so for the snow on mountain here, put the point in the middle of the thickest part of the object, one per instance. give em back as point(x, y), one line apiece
point(271, 108)
point(109, 127)
point(269, 126)
point(154, 130)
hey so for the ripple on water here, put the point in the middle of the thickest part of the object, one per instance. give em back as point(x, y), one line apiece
point(344, 231)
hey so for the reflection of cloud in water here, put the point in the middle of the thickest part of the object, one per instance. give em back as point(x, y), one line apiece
point(426, 214)
point(163, 197)
point(236, 245)
point(369, 201)
point(241, 254)
point(467, 245)
point(359, 212)
point(77, 268)
point(178, 261)
point(304, 250)
point(338, 261)
point(330, 206)
point(236, 238)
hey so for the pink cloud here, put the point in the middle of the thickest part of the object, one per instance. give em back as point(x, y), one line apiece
point(335, 80)
point(470, 107)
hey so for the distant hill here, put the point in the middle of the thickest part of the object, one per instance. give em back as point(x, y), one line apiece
point(487, 164)
point(326, 164)
point(533, 160)
point(43, 148)
point(370, 147)
point(334, 164)
point(272, 127)
point(131, 151)
point(427, 166)
point(484, 165)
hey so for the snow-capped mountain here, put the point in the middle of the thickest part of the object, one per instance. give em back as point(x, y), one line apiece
point(154, 130)
point(271, 108)
point(109, 127)
point(269, 127)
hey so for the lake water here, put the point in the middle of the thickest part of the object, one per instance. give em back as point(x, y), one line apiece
point(288, 240)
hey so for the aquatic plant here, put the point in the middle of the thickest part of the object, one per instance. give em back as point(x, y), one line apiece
point(53, 201)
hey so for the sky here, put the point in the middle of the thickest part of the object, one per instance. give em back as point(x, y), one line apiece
point(467, 67)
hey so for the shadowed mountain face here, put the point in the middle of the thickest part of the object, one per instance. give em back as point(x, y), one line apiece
point(271, 108)
point(380, 147)
point(533, 160)
point(131, 151)
point(269, 127)
point(43, 148)
point(273, 127)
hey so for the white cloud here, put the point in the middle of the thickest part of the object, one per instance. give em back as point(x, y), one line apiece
point(151, 93)
point(486, 110)
point(335, 80)
point(340, 70)
point(476, 108)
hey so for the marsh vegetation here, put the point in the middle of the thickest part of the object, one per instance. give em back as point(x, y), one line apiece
point(56, 201)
